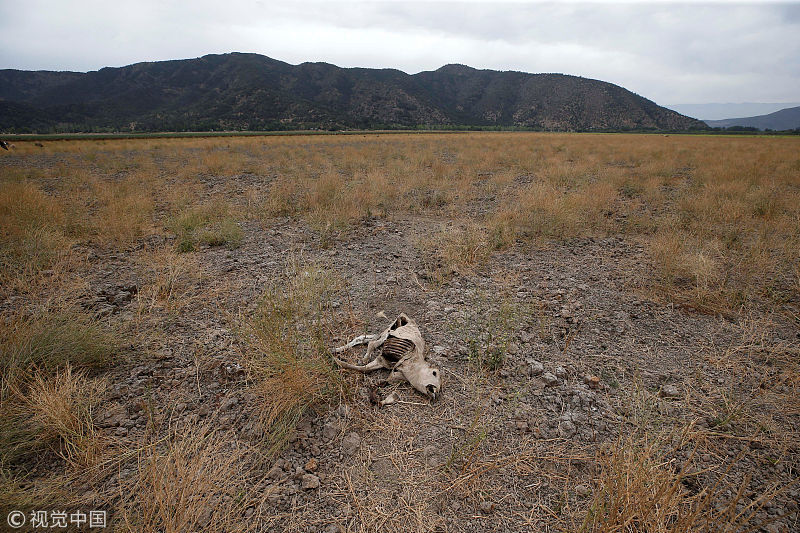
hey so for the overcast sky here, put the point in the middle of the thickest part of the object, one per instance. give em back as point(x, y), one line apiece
point(669, 52)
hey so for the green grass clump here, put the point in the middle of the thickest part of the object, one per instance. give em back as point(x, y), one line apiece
point(209, 224)
point(51, 341)
point(226, 233)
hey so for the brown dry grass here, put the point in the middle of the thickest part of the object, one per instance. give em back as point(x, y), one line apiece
point(197, 479)
point(287, 355)
point(641, 486)
point(720, 215)
point(61, 410)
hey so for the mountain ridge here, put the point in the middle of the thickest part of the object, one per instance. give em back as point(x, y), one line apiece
point(784, 119)
point(252, 91)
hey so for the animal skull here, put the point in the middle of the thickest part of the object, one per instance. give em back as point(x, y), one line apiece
point(401, 349)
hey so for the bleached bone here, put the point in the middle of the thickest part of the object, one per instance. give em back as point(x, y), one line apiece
point(401, 349)
point(389, 400)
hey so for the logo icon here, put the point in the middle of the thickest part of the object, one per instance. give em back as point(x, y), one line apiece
point(16, 519)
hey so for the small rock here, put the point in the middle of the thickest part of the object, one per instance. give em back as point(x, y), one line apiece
point(535, 368)
point(121, 297)
point(549, 379)
point(566, 429)
point(351, 443)
point(121, 431)
point(439, 349)
point(486, 507)
point(310, 481)
point(561, 372)
point(276, 472)
point(312, 465)
point(331, 430)
point(669, 391)
point(592, 381)
point(228, 403)
point(582, 490)
point(104, 310)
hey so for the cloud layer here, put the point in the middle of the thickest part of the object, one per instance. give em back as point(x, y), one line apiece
point(668, 52)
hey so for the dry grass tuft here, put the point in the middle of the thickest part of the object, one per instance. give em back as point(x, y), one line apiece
point(52, 411)
point(641, 487)
point(287, 355)
point(32, 234)
point(125, 210)
point(455, 250)
point(211, 224)
point(196, 481)
point(42, 399)
point(172, 279)
point(61, 410)
point(51, 341)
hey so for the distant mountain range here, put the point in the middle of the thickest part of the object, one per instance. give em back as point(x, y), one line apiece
point(717, 111)
point(250, 91)
point(785, 119)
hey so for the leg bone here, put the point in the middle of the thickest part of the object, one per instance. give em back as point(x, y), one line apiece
point(361, 339)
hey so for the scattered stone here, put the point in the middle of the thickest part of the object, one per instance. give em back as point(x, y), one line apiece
point(121, 431)
point(229, 403)
point(309, 482)
point(583, 490)
point(669, 391)
point(486, 507)
point(549, 379)
point(439, 349)
point(276, 472)
point(566, 429)
point(104, 310)
point(312, 465)
point(351, 443)
point(331, 430)
point(592, 381)
point(561, 372)
point(535, 368)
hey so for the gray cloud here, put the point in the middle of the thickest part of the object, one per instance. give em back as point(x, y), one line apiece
point(667, 52)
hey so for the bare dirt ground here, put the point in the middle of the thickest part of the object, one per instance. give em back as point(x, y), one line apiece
point(574, 396)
